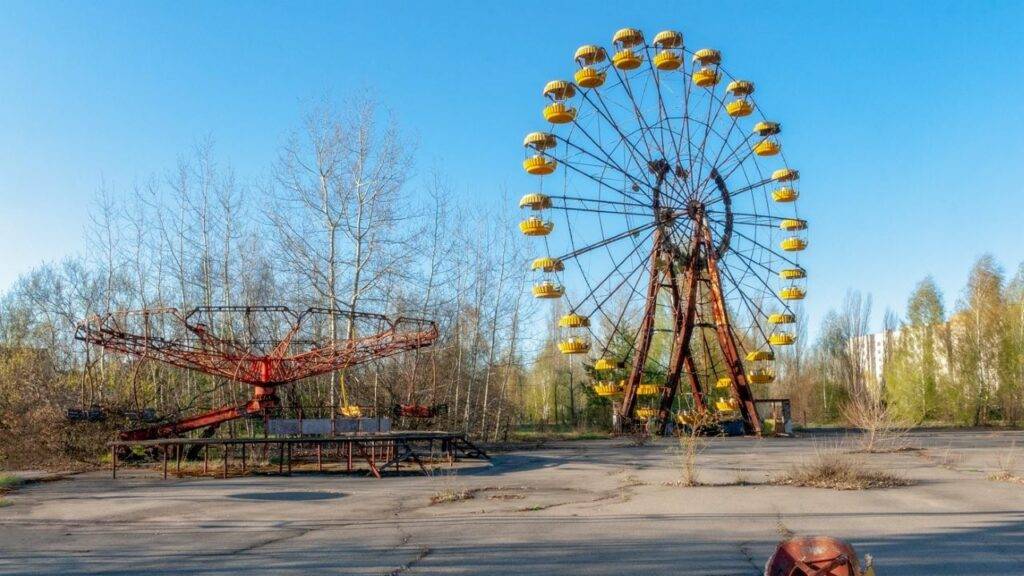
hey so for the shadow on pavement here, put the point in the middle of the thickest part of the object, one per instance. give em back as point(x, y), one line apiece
point(286, 496)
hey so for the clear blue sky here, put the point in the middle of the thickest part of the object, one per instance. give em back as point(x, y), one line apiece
point(905, 119)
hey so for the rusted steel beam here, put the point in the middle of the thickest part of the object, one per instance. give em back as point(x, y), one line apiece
point(699, 400)
point(727, 340)
point(684, 309)
point(643, 344)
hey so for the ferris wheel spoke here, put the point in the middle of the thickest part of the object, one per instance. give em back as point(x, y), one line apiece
point(598, 304)
point(644, 127)
point(582, 199)
point(747, 261)
point(599, 211)
point(782, 257)
point(713, 104)
point(598, 180)
point(750, 215)
point(721, 163)
point(749, 153)
point(741, 190)
point(635, 154)
point(605, 242)
point(609, 163)
point(662, 109)
point(617, 325)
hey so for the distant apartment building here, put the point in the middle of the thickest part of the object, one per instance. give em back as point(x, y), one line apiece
point(874, 350)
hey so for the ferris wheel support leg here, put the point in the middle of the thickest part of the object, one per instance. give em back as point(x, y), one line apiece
point(740, 388)
point(683, 315)
point(699, 402)
point(644, 338)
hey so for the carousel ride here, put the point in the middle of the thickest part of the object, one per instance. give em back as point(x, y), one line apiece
point(664, 199)
point(265, 347)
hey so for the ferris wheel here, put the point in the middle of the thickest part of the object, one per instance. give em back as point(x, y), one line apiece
point(666, 218)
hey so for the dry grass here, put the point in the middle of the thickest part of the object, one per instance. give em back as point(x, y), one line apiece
point(838, 470)
point(448, 495)
point(1006, 467)
point(691, 444)
point(881, 430)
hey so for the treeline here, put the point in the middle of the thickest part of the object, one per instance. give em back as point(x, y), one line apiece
point(335, 222)
point(959, 367)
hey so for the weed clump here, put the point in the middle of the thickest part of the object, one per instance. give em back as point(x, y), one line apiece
point(838, 470)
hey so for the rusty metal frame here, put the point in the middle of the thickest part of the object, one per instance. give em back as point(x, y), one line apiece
point(226, 358)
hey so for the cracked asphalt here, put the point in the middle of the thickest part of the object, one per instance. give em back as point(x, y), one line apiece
point(595, 507)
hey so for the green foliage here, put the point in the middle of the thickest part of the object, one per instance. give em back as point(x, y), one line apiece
point(9, 481)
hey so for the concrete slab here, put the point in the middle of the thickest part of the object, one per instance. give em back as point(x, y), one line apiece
point(595, 507)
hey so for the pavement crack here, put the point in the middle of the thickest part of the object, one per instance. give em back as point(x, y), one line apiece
point(423, 553)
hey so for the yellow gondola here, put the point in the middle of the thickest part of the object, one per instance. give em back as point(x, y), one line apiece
point(547, 264)
point(535, 201)
point(588, 77)
point(539, 165)
point(792, 273)
point(534, 226)
point(793, 244)
point(760, 355)
point(668, 39)
point(785, 194)
point(761, 376)
point(723, 382)
point(740, 88)
point(767, 147)
point(646, 413)
point(548, 289)
point(589, 54)
point(727, 404)
point(605, 364)
point(559, 113)
point(607, 389)
point(782, 338)
point(765, 128)
point(648, 390)
point(540, 141)
point(573, 320)
point(793, 224)
point(707, 57)
point(792, 293)
point(559, 90)
point(685, 418)
point(627, 59)
point(706, 77)
point(628, 37)
point(667, 60)
point(782, 318)
point(574, 345)
point(739, 108)
point(785, 175)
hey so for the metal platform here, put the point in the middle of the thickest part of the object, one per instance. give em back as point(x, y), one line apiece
point(381, 451)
